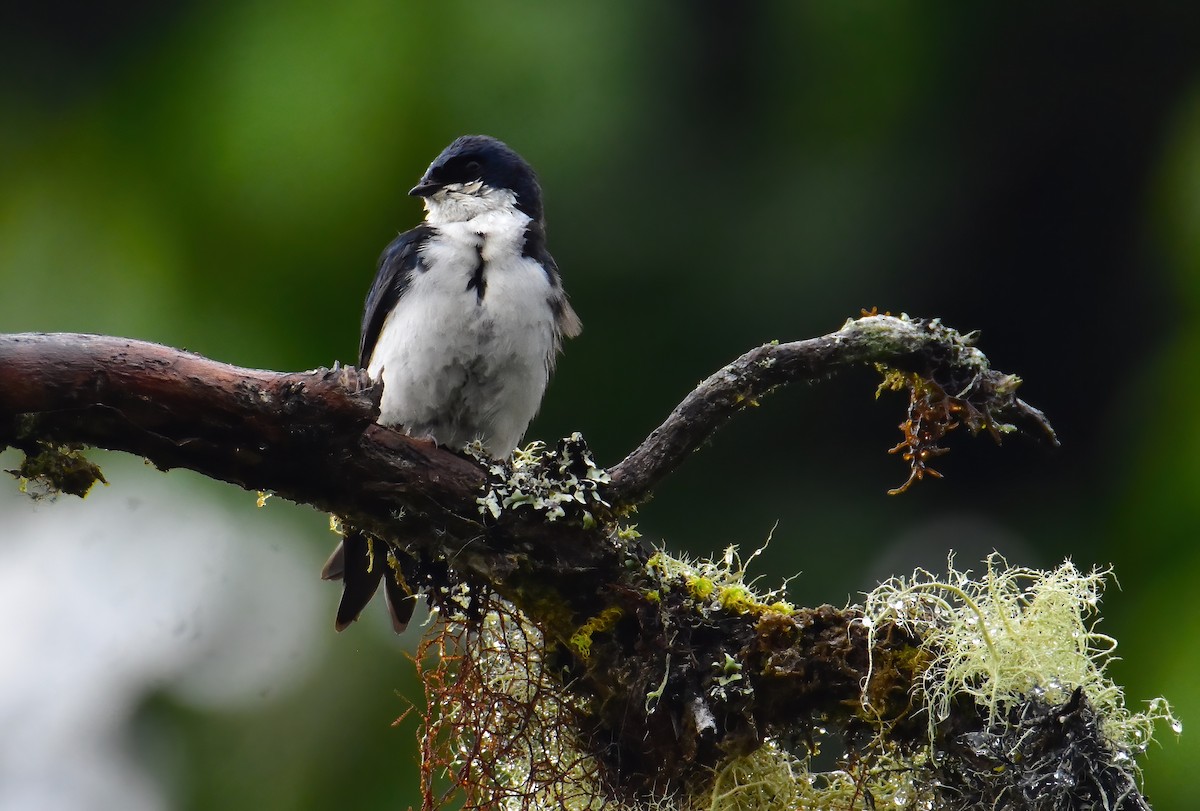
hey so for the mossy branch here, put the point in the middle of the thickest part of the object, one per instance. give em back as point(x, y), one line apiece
point(311, 437)
point(933, 356)
point(675, 669)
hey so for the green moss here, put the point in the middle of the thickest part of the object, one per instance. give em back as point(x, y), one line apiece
point(581, 640)
point(701, 588)
point(720, 578)
point(57, 469)
point(737, 599)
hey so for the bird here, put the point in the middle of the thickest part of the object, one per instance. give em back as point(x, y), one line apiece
point(462, 326)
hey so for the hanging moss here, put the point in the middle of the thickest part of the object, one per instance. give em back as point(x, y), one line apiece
point(52, 469)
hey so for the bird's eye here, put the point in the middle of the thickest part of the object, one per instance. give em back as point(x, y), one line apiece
point(472, 168)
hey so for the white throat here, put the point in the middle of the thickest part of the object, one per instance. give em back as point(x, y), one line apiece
point(460, 202)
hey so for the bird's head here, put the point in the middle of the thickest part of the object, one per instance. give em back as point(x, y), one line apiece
point(478, 174)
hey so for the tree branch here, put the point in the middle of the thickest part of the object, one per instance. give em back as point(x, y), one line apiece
point(924, 347)
point(627, 629)
point(310, 437)
point(248, 427)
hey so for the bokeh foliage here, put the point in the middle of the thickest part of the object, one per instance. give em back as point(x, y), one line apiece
point(221, 176)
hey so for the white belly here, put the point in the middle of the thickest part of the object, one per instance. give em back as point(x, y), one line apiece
point(457, 367)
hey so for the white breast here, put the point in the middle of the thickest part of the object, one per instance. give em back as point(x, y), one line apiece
point(457, 366)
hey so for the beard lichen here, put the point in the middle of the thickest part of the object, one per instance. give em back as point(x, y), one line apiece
point(504, 727)
point(1014, 630)
point(1009, 679)
point(1018, 704)
point(500, 730)
point(774, 779)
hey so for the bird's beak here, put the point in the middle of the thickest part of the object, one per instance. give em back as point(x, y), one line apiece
point(426, 188)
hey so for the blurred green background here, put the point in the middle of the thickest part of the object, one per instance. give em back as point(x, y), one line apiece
point(222, 176)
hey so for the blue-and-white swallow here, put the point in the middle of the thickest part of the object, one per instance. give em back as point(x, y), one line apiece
point(462, 326)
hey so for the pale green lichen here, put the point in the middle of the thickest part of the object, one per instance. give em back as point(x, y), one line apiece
point(552, 482)
point(886, 331)
point(628, 533)
point(1007, 638)
point(653, 696)
point(996, 640)
point(772, 778)
point(730, 670)
point(1009, 634)
point(720, 581)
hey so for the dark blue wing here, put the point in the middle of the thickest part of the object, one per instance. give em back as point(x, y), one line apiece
point(396, 266)
point(565, 320)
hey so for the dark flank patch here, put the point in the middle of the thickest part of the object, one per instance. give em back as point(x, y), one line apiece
point(565, 320)
point(535, 249)
point(478, 282)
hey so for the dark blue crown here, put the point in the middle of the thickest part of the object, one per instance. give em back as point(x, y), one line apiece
point(481, 157)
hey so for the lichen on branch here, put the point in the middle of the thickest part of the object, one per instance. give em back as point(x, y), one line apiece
point(668, 679)
point(940, 692)
point(923, 353)
point(50, 468)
